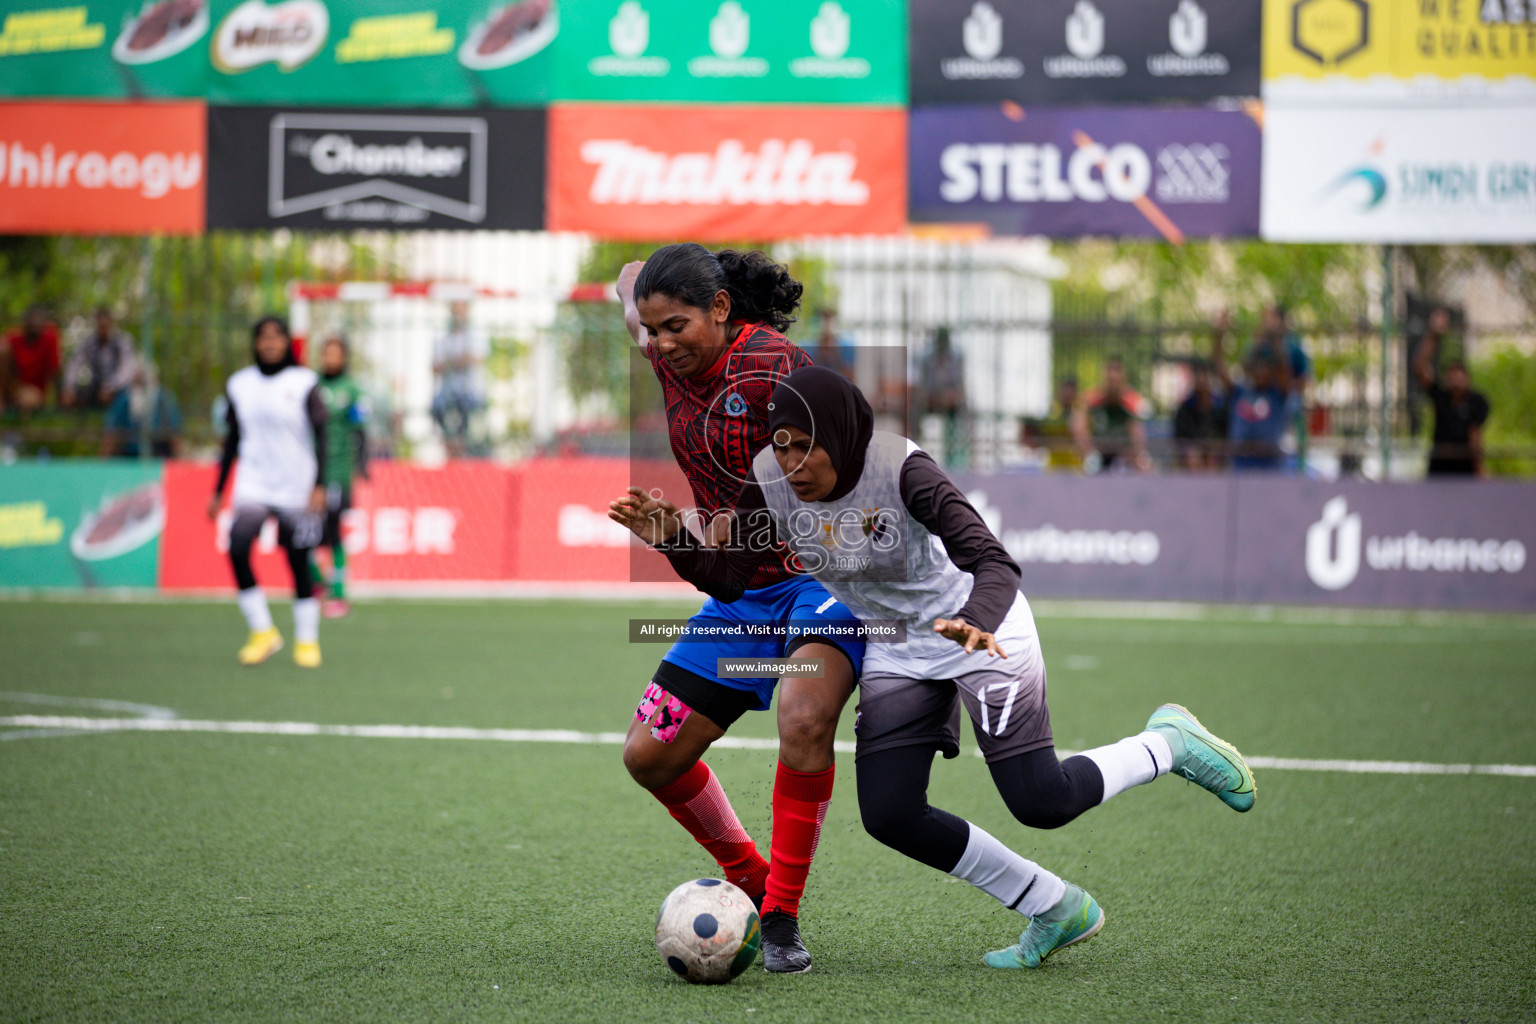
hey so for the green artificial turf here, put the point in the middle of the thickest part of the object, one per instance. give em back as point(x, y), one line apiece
point(217, 877)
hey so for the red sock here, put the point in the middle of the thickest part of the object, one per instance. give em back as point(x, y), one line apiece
point(799, 807)
point(700, 806)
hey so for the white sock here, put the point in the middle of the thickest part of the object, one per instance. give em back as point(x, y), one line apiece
point(1131, 762)
point(1013, 881)
point(306, 620)
point(253, 605)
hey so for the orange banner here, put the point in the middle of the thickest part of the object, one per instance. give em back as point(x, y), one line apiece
point(102, 168)
point(727, 172)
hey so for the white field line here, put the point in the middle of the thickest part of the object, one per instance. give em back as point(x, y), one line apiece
point(444, 732)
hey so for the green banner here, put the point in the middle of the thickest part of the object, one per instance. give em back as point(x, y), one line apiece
point(735, 51)
point(80, 524)
point(354, 52)
point(458, 53)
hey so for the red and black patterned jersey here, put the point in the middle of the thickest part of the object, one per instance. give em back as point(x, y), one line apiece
point(719, 420)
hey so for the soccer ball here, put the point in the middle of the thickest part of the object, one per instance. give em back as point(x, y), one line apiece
point(707, 931)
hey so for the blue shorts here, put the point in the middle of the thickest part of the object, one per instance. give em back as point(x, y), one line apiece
point(798, 607)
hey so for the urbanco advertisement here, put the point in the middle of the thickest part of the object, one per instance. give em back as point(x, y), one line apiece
point(1070, 171)
point(1379, 174)
point(726, 172)
point(1083, 51)
point(1432, 544)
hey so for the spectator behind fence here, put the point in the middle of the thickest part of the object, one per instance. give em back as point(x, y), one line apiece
point(123, 429)
point(1460, 412)
point(1260, 406)
point(33, 349)
point(942, 385)
point(1200, 422)
point(1109, 427)
point(833, 349)
point(458, 360)
point(1275, 338)
point(101, 366)
point(1054, 432)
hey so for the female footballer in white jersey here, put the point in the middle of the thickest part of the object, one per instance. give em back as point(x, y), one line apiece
point(276, 429)
point(903, 548)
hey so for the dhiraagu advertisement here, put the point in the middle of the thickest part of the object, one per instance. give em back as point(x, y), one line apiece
point(80, 524)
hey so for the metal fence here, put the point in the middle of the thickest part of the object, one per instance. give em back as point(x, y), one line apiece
point(557, 366)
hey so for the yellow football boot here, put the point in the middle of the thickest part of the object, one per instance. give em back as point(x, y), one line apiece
point(260, 646)
point(306, 655)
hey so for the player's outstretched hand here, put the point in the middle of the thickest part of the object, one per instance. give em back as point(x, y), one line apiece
point(626, 292)
point(653, 520)
point(968, 636)
point(627, 276)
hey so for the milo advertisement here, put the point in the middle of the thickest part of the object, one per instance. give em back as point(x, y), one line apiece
point(348, 52)
point(456, 53)
point(81, 524)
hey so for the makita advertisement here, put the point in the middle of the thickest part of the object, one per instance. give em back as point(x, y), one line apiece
point(388, 169)
point(715, 173)
point(1065, 172)
point(1095, 51)
point(1268, 540)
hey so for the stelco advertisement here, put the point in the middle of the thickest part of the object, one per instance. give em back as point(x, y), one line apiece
point(1062, 172)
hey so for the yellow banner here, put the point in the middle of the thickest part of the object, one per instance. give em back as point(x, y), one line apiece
point(1439, 39)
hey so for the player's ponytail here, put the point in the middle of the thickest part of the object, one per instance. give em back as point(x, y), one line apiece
point(761, 290)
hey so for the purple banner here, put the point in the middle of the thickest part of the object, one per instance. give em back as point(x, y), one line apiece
point(1065, 172)
point(1436, 544)
point(1135, 538)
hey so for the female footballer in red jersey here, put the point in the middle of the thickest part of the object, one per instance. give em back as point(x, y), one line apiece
point(711, 325)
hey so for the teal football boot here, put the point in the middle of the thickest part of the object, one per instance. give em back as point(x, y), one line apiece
point(1075, 917)
point(1204, 758)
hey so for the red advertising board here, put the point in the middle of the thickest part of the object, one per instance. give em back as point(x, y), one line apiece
point(408, 523)
point(726, 172)
point(102, 168)
point(194, 551)
point(563, 530)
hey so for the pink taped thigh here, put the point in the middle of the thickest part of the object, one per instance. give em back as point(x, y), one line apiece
point(665, 713)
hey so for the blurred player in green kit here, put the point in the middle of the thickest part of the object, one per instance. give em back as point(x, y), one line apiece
point(346, 456)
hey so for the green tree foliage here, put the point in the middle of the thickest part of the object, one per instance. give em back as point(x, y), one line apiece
point(597, 348)
point(1508, 378)
point(190, 302)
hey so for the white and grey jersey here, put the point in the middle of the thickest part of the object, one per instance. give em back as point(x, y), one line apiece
point(867, 549)
point(902, 545)
point(274, 426)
